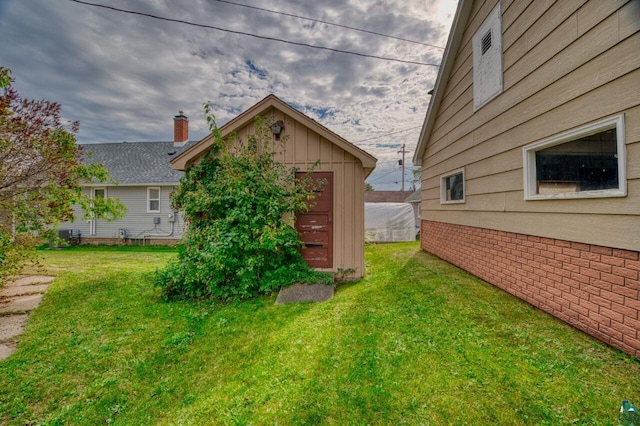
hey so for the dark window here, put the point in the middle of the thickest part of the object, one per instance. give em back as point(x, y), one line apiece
point(454, 189)
point(586, 164)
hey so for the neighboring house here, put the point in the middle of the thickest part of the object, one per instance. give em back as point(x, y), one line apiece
point(530, 155)
point(145, 180)
point(333, 231)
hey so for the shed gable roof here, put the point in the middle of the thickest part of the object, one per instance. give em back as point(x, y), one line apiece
point(446, 67)
point(186, 157)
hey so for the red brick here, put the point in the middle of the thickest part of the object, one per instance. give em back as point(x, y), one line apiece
point(602, 250)
point(583, 263)
point(602, 267)
point(632, 303)
point(613, 297)
point(590, 256)
point(580, 246)
point(590, 273)
point(632, 284)
point(601, 284)
point(562, 243)
point(612, 315)
point(583, 279)
point(625, 291)
point(626, 254)
point(624, 329)
point(633, 323)
point(633, 264)
point(611, 333)
point(624, 272)
point(613, 279)
point(571, 298)
point(581, 310)
point(571, 252)
point(631, 341)
point(600, 301)
point(592, 307)
point(611, 260)
point(600, 335)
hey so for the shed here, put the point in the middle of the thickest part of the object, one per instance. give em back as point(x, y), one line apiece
point(333, 231)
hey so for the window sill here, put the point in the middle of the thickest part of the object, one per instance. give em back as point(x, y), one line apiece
point(616, 193)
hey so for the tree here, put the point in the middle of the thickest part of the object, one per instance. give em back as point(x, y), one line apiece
point(41, 175)
point(238, 203)
point(368, 187)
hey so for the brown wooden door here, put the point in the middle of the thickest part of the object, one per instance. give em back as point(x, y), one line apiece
point(315, 227)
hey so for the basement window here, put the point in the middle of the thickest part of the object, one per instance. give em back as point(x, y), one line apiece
point(153, 200)
point(452, 187)
point(588, 162)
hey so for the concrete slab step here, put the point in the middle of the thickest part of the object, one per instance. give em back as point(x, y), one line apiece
point(30, 280)
point(12, 326)
point(305, 293)
point(20, 303)
point(23, 290)
point(7, 349)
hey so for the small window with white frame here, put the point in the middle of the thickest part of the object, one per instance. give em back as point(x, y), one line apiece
point(153, 200)
point(452, 187)
point(588, 162)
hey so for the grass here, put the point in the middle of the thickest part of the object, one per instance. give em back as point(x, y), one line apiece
point(415, 342)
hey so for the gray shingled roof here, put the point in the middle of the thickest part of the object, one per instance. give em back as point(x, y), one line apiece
point(136, 162)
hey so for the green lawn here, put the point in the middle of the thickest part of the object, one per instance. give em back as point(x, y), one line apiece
point(415, 342)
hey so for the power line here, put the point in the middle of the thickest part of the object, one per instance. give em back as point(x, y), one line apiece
point(329, 23)
point(295, 43)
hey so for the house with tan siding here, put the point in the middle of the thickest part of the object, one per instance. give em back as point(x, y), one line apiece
point(333, 230)
point(530, 156)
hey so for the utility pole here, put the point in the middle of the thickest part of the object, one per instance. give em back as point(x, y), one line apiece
point(401, 162)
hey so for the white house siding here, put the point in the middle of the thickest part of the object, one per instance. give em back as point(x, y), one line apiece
point(137, 223)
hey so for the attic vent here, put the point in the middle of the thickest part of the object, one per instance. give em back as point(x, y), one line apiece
point(172, 152)
point(486, 42)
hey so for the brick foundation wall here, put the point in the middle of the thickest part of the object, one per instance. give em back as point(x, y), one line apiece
point(593, 288)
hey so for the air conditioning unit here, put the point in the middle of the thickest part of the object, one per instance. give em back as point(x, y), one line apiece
point(65, 234)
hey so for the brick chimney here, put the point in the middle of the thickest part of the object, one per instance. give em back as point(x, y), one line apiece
point(180, 129)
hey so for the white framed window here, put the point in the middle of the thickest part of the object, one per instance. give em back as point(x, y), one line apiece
point(452, 187)
point(99, 193)
point(153, 199)
point(587, 162)
point(487, 59)
point(95, 193)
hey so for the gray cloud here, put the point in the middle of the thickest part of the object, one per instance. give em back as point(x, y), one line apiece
point(124, 77)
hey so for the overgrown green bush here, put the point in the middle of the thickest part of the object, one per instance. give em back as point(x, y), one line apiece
point(239, 205)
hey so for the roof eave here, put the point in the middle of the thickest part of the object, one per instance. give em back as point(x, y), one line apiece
point(446, 66)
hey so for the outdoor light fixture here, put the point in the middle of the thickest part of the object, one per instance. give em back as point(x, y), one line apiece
point(276, 129)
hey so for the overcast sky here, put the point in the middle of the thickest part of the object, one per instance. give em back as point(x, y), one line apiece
point(125, 76)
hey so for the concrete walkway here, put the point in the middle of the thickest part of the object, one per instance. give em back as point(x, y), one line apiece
point(17, 299)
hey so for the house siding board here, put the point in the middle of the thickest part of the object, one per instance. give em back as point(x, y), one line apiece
point(137, 222)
